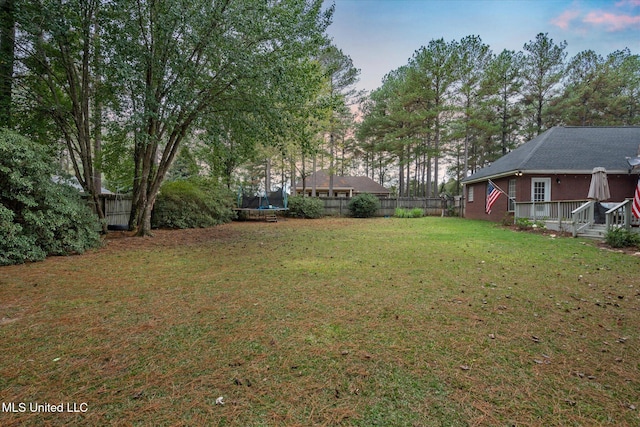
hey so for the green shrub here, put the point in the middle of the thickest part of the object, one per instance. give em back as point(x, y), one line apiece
point(527, 224)
point(364, 205)
point(305, 207)
point(621, 238)
point(39, 217)
point(192, 203)
point(507, 219)
point(406, 213)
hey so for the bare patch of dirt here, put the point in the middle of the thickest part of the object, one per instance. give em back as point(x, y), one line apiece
point(632, 250)
point(125, 240)
point(5, 320)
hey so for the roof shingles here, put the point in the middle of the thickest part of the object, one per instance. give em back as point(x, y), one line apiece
point(569, 150)
point(360, 184)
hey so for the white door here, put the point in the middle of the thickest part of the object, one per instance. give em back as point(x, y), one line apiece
point(540, 193)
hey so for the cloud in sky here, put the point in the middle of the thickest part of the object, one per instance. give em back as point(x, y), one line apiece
point(632, 3)
point(564, 20)
point(614, 17)
point(382, 35)
point(612, 21)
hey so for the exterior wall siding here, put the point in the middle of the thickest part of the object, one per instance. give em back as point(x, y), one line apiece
point(563, 187)
point(476, 209)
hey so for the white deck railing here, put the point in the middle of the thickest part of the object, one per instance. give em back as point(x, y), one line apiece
point(559, 212)
point(619, 216)
point(575, 215)
point(583, 217)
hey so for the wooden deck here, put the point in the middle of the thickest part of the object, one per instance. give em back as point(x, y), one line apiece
point(267, 214)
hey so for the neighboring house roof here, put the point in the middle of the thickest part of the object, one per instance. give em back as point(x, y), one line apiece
point(72, 181)
point(359, 184)
point(568, 150)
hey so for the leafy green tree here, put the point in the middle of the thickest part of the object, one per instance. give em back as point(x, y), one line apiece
point(473, 57)
point(376, 131)
point(600, 91)
point(7, 46)
point(185, 166)
point(435, 65)
point(116, 161)
point(283, 122)
point(588, 90)
point(501, 86)
point(627, 66)
point(383, 123)
point(542, 71)
point(397, 127)
point(411, 139)
point(495, 116)
point(38, 217)
point(193, 60)
point(627, 70)
point(59, 49)
point(341, 77)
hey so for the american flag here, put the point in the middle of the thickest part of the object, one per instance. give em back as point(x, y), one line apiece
point(635, 207)
point(493, 192)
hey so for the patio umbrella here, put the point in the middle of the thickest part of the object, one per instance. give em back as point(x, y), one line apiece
point(599, 188)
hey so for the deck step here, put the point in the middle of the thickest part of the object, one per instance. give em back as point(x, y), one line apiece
point(597, 231)
point(271, 217)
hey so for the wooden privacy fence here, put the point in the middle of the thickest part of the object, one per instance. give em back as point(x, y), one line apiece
point(116, 208)
point(339, 206)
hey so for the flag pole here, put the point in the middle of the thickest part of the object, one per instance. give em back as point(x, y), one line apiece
point(498, 188)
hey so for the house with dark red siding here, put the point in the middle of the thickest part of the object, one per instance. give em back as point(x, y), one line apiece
point(548, 178)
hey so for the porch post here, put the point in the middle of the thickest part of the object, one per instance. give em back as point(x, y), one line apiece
point(627, 215)
point(533, 207)
point(559, 216)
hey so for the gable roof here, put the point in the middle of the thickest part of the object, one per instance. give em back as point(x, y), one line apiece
point(72, 181)
point(360, 184)
point(568, 150)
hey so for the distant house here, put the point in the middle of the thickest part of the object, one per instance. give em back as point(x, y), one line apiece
point(116, 207)
point(556, 166)
point(72, 181)
point(343, 186)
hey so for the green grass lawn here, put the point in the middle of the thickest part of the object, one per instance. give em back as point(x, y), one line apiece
point(388, 322)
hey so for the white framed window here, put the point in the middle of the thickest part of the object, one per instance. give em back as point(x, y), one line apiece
point(512, 194)
point(470, 193)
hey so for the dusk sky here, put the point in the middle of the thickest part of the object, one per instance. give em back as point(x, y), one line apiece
point(381, 35)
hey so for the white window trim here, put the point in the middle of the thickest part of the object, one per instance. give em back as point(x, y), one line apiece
point(512, 194)
point(547, 188)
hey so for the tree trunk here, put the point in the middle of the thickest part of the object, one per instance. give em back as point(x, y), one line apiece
point(97, 109)
point(267, 179)
point(539, 116)
point(436, 146)
point(408, 170)
point(401, 174)
point(292, 166)
point(331, 163)
point(429, 171)
point(313, 182)
point(151, 169)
